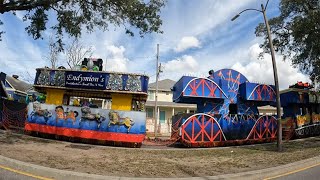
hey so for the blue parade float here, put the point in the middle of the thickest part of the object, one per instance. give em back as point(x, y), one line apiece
point(301, 111)
point(67, 111)
point(227, 110)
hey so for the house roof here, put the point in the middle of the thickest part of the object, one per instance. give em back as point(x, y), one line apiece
point(163, 85)
point(18, 84)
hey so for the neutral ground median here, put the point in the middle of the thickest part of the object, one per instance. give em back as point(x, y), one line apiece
point(148, 162)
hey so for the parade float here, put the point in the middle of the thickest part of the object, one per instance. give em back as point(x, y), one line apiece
point(301, 111)
point(89, 105)
point(227, 110)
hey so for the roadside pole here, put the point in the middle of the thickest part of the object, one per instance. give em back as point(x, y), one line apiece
point(156, 95)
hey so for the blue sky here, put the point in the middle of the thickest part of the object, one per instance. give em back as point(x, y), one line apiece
point(198, 36)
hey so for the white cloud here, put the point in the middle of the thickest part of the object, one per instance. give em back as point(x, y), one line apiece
point(186, 43)
point(185, 18)
point(22, 63)
point(20, 15)
point(116, 60)
point(183, 64)
point(262, 71)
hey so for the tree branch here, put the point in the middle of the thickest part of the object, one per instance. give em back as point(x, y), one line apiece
point(23, 5)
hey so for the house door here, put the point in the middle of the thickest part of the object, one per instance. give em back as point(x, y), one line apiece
point(162, 116)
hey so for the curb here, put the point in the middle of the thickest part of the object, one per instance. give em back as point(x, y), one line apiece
point(47, 172)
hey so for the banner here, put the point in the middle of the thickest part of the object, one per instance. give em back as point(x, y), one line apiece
point(85, 80)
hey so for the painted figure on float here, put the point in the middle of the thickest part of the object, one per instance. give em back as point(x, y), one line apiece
point(301, 111)
point(90, 104)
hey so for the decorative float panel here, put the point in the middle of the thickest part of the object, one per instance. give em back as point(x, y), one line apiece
point(257, 92)
point(84, 122)
point(227, 110)
point(105, 81)
point(301, 109)
point(90, 105)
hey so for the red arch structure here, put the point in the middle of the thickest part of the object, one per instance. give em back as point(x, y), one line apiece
point(262, 92)
point(203, 87)
point(205, 131)
point(264, 128)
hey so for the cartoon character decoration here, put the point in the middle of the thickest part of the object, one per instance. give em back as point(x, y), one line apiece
point(87, 115)
point(37, 111)
point(315, 117)
point(61, 114)
point(76, 102)
point(138, 105)
point(142, 105)
point(115, 119)
point(303, 120)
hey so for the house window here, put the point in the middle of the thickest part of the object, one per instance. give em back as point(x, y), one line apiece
point(162, 117)
point(151, 95)
point(149, 112)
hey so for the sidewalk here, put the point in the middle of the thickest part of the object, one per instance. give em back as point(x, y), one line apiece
point(69, 175)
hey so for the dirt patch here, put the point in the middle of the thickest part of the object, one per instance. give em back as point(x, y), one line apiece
point(77, 146)
point(146, 162)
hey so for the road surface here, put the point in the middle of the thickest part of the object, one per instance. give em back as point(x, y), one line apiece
point(307, 173)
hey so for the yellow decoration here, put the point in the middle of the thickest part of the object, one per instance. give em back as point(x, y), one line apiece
point(115, 119)
point(315, 118)
point(303, 120)
point(76, 102)
point(54, 96)
point(121, 102)
point(127, 122)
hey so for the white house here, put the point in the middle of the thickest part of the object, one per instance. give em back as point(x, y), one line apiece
point(166, 108)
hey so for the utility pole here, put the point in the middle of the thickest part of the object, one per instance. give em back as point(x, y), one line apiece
point(156, 95)
point(276, 81)
point(275, 71)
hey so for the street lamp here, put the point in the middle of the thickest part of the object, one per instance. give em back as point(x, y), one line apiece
point(275, 74)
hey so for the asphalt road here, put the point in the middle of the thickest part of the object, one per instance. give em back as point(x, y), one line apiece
point(307, 174)
point(9, 175)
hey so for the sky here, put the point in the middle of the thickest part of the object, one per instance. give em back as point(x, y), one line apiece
point(198, 36)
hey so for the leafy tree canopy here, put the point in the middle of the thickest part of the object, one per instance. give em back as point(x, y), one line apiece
point(73, 15)
point(296, 34)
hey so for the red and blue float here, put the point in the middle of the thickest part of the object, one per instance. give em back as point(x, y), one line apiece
point(227, 110)
point(301, 111)
point(118, 118)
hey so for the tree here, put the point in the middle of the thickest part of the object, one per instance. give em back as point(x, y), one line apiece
point(76, 52)
point(296, 34)
point(73, 15)
point(53, 53)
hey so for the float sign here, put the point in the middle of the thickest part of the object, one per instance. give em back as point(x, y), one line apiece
point(85, 80)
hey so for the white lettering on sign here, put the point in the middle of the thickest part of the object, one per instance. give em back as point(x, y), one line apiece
point(81, 78)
